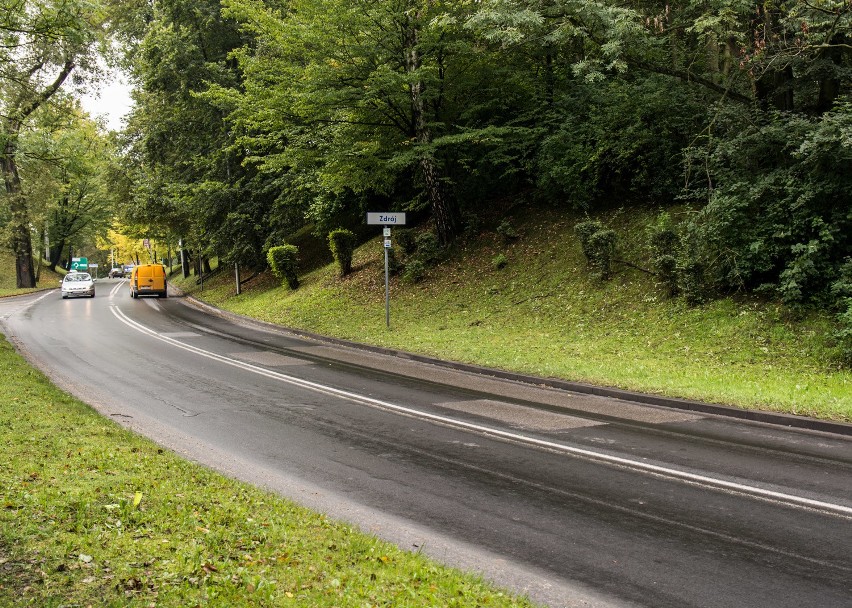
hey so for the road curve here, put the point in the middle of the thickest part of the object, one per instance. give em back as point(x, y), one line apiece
point(574, 499)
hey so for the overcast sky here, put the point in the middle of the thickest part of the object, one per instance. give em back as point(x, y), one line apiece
point(112, 102)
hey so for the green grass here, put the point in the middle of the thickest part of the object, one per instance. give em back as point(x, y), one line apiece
point(544, 314)
point(93, 515)
point(8, 281)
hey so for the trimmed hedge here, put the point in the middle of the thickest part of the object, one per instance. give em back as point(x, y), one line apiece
point(282, 260)
point(342, 245)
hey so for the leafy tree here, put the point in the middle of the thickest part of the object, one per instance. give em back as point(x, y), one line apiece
point(64, 163)
point(360, 102)
point(778, 215)
point(43, 42)
point(185, 179)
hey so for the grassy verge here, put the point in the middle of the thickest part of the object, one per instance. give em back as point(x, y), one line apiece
point(544, 314)
point(47, 279)
point(93, 515)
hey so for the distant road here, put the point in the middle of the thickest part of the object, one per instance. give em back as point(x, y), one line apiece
point(574, 499)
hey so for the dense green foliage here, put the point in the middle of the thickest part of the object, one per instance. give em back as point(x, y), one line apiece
point(342, 245)
point(283, 260)
point(257, 118)
point(315, 111)
point(42, 44)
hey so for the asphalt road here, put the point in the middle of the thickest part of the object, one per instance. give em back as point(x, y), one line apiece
point(574, 499)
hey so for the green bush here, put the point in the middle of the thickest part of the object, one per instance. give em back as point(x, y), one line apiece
point(342, 245)
point(774, 202)
point(283, 261)
point(665, 250)
point(415, 271)
point(428, 248)
point(692, 282)
point(584, 231)
point(667, 270)
point(598, 244)
point(602, 247)
point(507, 231)
point(405, 239)
point(841, 290)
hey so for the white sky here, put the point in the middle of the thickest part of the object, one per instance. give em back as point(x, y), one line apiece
point(112, 102)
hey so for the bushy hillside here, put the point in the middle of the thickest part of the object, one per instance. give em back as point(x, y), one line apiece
point(521, 296)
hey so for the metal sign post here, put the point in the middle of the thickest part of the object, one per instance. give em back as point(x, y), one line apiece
point(387, 220)
point(387, 283)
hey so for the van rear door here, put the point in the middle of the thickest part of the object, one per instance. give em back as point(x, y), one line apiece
point(144, 279)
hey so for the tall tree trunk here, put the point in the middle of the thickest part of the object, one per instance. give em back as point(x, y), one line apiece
point(19, 210)
point(443, 211)
point(829, 83)
point(774, 87)
point(21, 241)
point(184, 259)
point(56, 254)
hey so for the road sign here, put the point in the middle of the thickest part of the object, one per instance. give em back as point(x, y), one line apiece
point(80, 264)
point(386, 218)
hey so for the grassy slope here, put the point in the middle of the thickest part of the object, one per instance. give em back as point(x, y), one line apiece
point(47, 279)
point(545, 315)
point(93, 515)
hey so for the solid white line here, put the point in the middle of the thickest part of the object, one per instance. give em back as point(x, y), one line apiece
point(114, 291)
point(692, 478)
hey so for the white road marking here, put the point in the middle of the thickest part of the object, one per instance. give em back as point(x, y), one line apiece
point(116, 288)
point(637, 465)
point(15, 306)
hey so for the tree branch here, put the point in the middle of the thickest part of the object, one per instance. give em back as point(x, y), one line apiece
point(48, 92)
point(689, 77)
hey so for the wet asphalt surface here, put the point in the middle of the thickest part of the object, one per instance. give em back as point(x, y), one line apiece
point(572, 498)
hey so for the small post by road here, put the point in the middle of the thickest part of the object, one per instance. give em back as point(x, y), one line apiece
point(387, 243)
point(387, 220)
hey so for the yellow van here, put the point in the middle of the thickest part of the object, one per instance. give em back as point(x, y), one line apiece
point(148, 279)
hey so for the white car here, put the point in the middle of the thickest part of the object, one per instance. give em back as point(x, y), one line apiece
point(78, 284)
